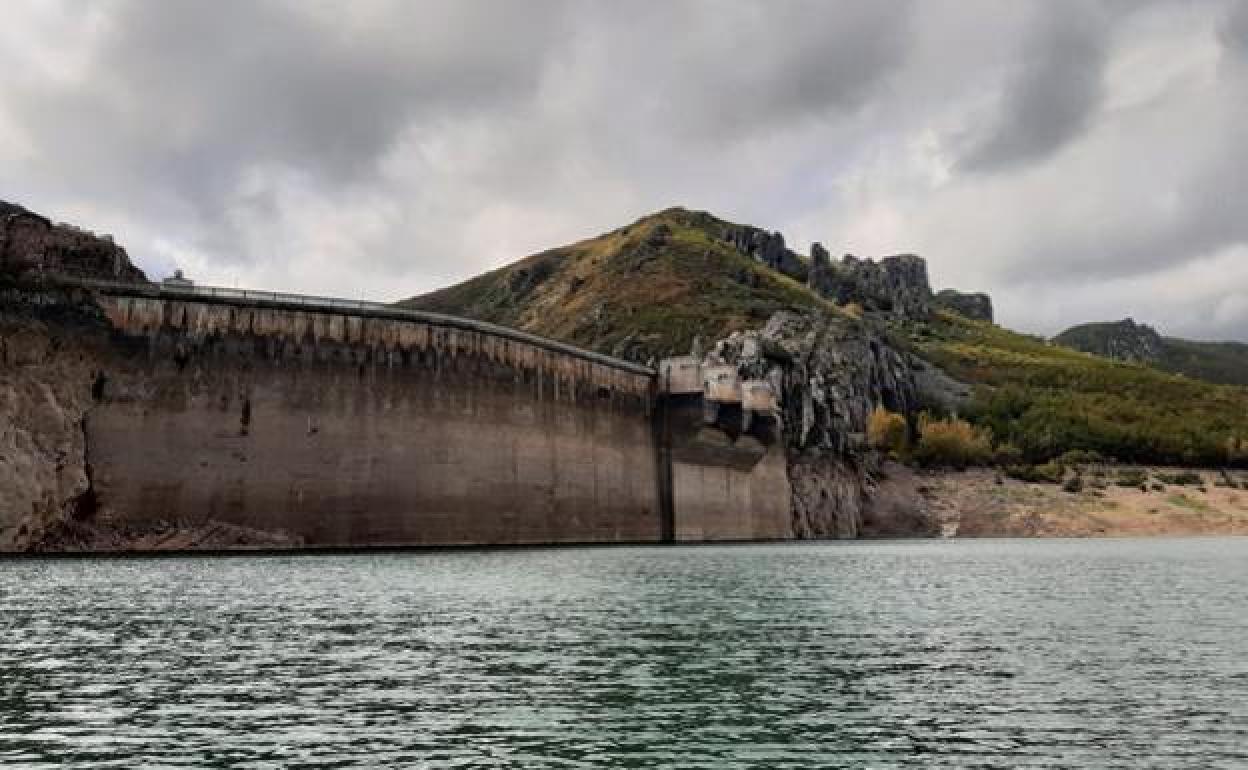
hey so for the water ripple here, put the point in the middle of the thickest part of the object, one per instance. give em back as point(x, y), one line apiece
point(968, 654)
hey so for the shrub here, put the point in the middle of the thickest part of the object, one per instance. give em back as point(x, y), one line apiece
point(1077, 457)
point(887, 431)
point(953, 443)
point(1008, 454)
point(1181, 479)
point(1046, 473)
point(1132, 477)
point(1074, 484)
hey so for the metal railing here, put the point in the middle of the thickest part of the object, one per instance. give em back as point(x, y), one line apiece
point(227, 295)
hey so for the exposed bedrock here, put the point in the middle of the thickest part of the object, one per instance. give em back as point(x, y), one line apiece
point(830, 372)
point(976, 306)
point(46, 378)
point(897, 285)
point(768, 248)
point(32, 244)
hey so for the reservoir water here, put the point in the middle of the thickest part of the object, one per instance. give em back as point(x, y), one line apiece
point(959, 654)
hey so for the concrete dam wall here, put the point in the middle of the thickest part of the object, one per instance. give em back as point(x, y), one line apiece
point(350, 427)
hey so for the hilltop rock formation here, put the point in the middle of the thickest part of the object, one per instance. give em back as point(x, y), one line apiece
point(32, 244)
point(1123, 340)
point(976, 306)
point(896, 285)
point(767, 248)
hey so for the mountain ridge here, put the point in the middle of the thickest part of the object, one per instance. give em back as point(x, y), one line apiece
point(1223, 362)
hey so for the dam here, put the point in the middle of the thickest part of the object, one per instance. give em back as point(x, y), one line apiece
point(339, 424)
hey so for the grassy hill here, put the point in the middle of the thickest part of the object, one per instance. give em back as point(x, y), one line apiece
point(1221, 362)
point(644, 290)
point(1225, 362)
point(1046, 399)
point(649, 288)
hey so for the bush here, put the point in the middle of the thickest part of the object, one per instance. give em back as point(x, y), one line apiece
point(1236, 450)
point(1077, 457)
point(952, 443)
point(1073, 485)
point(887, 431)
point(1132, 477)
point(1008, 454)
point(1181, 479)
point(1046, 473)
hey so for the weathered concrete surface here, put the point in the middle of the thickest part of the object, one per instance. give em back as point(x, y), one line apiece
point(727, 483)
point(717, 502)
point(338, 430)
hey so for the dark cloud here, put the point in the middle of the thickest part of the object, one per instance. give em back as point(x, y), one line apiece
point(1234, 31)
point(1043, 150)
point(1054, 91)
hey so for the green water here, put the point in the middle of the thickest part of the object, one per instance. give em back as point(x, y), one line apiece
point(991, 654)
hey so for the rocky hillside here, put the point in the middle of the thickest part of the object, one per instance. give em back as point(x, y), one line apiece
point(33, 245)
point(1126, 340)
point(1123, 340)
point(651, 288)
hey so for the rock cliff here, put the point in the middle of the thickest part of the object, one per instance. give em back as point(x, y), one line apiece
point(1123, 340)
point(767, 248)
point(46, 377)
point(975, 306)
point(831, 372)
point(32, 244)
point(896, 285)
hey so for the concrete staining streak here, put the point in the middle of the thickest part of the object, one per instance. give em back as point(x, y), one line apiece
point(312, 427)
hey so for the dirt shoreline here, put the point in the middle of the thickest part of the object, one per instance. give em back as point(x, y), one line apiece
point(985, 503)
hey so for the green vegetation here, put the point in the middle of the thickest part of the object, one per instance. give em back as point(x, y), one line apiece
point(1048, 400)
point(1181, 479)
point(1219, 362)
point(1183, 501)
point(1045, 473)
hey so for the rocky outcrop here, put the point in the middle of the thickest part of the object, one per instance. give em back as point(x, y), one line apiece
point(46, 378)
point(976, 306)
point(32, 244)
point(1123, 340)
point(896, 285)
point(830, 372)
point(767, 248)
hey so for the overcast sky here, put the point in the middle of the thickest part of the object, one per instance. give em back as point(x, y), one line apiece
point(1079, 160)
